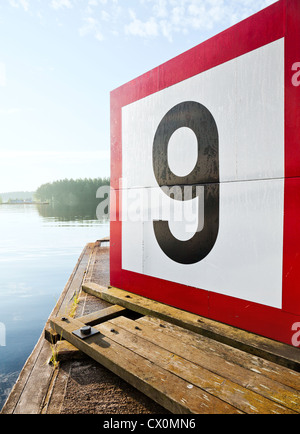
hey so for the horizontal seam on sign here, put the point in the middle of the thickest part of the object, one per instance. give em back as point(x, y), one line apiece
point(205, 183)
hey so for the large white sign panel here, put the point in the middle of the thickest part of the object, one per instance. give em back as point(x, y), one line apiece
point(245, 98)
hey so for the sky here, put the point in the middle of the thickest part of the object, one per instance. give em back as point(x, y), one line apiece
point(59, 61)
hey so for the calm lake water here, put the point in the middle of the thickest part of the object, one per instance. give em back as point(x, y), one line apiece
point(39, 247)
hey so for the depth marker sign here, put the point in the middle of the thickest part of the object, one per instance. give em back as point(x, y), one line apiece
point(205, 166)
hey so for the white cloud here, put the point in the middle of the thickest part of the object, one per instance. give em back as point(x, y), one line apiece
point(91, 26)
point(168, 17)
point(152, 18)
point(59, 4)
point(166, 29)
point(160, 8)
point(23, 3)
point(101, 17)
point(140, 28)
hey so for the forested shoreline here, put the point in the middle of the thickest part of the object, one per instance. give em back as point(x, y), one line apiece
point(70, 192)
point(22, 195)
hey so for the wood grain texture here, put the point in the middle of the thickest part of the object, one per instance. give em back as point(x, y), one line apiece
point(268, 349)
point(165, 388)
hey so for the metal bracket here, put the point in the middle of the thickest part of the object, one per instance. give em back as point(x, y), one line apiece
point(85, 332)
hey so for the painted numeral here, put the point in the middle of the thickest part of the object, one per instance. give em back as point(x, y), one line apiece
point(198, 118)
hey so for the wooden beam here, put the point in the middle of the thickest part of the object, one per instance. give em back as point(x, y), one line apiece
point(72, 287)
point(91, 319)
point(165, 388)
point(268, 349)
point(245, 390)
point(264, 368)
point(93, 289)
point(102, 315)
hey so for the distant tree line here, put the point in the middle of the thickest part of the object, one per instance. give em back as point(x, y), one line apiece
point(71, 192)
point(21, 195)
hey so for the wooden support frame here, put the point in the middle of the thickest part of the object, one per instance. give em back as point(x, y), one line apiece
point(102, 315)
point(185, 365)
point(183, 379)
point(268, 349)
point(91, 319)
point(139, 372)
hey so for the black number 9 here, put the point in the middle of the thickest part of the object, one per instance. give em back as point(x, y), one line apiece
point(198, 118)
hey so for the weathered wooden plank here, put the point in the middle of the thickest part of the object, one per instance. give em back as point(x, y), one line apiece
point(66, 352)
point(91, 319)
point(16, 403)
point(102, 315)
point(256, 364)
point(96, 264)
point(276, 352)
point(104, 240)
point(282, 395)
point(56, 394)
point(94, 289)
point(166, 389)
point(127, 334)
point(73, 286)
point(92, 261)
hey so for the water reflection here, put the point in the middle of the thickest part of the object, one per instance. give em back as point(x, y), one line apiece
point(66, 213)
point(39, 248)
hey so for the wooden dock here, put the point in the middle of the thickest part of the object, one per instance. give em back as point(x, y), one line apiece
point(78, 385)
point(167, 360)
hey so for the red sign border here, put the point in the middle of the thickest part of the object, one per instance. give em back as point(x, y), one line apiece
point(282, 19)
